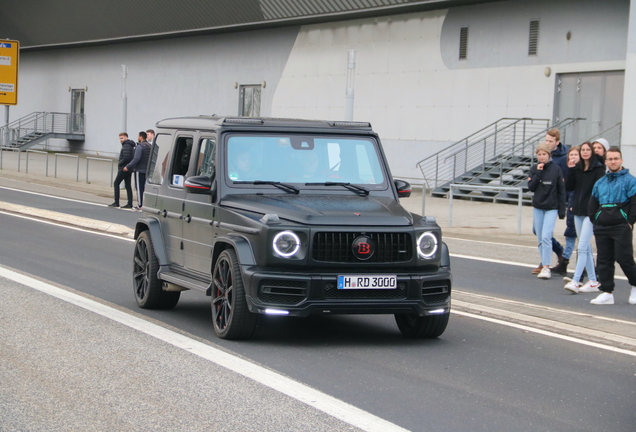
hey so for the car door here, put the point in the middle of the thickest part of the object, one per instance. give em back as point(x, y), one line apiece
point(200, 210)
point(173, 202)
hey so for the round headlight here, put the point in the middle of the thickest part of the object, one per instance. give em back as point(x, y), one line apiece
point(286, 243)
point(427, 245)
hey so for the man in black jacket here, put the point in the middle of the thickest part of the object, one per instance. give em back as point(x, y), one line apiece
point(126, 155)
point(138, 165)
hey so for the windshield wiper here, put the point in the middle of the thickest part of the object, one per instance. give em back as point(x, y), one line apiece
point(284, 186)
point(362, 191)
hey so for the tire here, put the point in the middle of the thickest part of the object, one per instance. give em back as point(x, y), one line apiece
point(146, 284)
point(230, 315)
point(422, 327)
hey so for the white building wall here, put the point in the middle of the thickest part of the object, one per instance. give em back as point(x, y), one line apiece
point(166, 78)
point(414, 101)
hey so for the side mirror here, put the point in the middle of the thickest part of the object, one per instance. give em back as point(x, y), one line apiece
point(403, 188)
point(199, 185)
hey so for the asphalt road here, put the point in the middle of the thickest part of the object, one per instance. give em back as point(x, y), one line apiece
point(479, 376)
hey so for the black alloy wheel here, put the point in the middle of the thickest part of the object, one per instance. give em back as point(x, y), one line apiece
point(146, 284)
point(230, 314)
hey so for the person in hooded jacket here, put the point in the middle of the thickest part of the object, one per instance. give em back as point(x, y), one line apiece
point(612, 210)
point(126, 154)
point(580, 181)
point(546, 181)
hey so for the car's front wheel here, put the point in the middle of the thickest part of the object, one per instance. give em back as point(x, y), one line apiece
point(426, 327)
point(146, 284)
point(230, 315)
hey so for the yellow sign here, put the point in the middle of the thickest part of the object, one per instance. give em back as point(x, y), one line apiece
point(9, 58)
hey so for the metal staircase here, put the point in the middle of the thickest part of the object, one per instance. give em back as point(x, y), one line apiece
point(37, 127)
point(498, 155)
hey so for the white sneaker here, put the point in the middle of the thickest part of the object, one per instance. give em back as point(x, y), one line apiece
point(545, 273)
point(604, 299)
point(591, 286)
point(632, 296)
point(567, 279)
point(572, 287)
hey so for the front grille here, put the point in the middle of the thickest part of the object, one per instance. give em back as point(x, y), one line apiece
point(335, 247)
point(333, 293)
point(282, 292)
point(435, 291)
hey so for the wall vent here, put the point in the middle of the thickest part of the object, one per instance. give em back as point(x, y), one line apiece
point(533, 40)
point(463, 43)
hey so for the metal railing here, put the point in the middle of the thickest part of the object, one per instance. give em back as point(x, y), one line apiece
point(494, 143)
point(519, 190)
point(36, 124)
point(476, 149)
point(112, 162)
point(69, 156)
point(613, 135)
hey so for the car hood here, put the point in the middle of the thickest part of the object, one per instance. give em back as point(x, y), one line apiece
point(325, 209)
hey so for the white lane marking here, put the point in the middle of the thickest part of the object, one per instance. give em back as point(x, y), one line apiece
point(490, 243)
point(513, 263)
point(305, 394)
point(53, 196)
point(47, 222)
point(546, 333)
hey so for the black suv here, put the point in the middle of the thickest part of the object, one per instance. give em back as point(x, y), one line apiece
point(285, 217)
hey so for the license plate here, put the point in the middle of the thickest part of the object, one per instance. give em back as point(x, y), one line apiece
point(367, 282)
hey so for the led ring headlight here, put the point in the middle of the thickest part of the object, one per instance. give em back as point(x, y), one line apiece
point(286, 244)
point(427, 245)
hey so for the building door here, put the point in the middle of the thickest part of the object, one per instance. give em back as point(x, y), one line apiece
point(77, 110)
point(250, 101)
point(595, 96)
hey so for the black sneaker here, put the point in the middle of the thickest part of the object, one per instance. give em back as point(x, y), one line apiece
point(127, 206)
point(113, 205)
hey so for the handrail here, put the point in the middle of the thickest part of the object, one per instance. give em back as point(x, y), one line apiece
point(36, 124)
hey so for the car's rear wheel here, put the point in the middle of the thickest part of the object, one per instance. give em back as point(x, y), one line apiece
point(426, 327)
point(230, 314)
point(146, 284)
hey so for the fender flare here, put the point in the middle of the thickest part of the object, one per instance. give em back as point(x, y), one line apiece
point(241, 245)
point(154, 231)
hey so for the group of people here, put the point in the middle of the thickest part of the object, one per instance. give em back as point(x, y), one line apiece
point(133, 160)
point(589, 184)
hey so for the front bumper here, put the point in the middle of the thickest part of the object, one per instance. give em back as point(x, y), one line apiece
point(303, 294)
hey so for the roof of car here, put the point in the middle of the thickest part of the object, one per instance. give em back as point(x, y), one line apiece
point(214, 122)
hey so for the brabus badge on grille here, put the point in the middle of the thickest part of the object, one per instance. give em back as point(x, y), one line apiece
point(363, 248)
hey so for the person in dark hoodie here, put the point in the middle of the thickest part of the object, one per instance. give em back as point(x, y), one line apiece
point(612, 210)
point(546, 181)
point(580, 181)
point(126, 155)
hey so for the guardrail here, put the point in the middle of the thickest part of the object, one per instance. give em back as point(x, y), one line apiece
point(491, 188)
point(27, 160)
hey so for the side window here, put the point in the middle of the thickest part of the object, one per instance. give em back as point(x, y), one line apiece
point(181, 160)
point(205, 160)
point(159, 159)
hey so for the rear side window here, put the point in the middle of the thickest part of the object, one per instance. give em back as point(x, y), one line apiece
point(159, 159)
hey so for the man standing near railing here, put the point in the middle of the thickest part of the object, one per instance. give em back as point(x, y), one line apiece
point(126, 155)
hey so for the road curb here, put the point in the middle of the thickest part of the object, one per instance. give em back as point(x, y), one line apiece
point(77, 221)
point(546, 324)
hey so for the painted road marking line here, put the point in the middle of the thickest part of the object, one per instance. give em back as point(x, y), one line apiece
point(294, 389)
point(546, 333)
point(490, 243)
point(513, 263)
point(53, 196)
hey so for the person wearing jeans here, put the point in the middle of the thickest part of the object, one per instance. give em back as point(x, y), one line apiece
point(548, 202)
point(581, 179)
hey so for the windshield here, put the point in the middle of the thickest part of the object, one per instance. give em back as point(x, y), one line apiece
point(303, 159)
